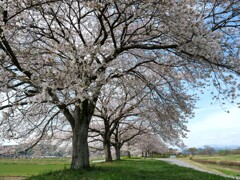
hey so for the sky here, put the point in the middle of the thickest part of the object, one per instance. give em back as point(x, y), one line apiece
point(212, 125)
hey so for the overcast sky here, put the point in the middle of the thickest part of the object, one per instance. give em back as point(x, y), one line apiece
point(212, 125)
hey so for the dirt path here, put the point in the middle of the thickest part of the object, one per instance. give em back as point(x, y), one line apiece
point(183, 163)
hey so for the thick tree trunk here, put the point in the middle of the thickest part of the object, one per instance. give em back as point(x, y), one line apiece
point(107, 150)
point(80, 152)
point(118, 152)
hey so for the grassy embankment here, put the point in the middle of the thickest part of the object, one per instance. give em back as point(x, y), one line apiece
point(219, 163)
point(125, 169)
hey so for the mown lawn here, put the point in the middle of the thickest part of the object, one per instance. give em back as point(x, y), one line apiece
point(130, 170)
point(29, 167)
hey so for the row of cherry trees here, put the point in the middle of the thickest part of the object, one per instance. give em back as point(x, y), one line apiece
point(126, 110)
point(61, 60)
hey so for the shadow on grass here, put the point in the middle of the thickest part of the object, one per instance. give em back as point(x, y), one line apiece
point(128, 170)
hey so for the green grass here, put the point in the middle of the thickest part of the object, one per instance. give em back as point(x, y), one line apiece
point(129, 170)
point(36, 161)
point(228, 170)
point(29, 167)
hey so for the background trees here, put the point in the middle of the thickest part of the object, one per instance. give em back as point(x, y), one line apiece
point(149, 145)
point(57, 55)
point(192, 150)
point(116, 105)
point(128, 108)
point(209, 150)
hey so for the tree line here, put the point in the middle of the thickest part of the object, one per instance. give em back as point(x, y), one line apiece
point(110, 70)
point(210, 151)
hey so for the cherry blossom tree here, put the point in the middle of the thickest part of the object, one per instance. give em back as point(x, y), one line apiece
point(148, 144)
point(127, 109)
point(116, 103)
point(56, 55)
point(126, 132)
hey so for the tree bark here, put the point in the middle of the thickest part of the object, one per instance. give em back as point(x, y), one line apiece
point(107, 150)
point(118, 152)
point(80, 152)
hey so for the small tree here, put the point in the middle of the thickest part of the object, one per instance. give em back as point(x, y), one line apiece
point(209, 150)
point(192, 150)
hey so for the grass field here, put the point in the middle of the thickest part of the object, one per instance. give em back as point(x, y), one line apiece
point(131, 170)
point(29, 167)
point(220, 158)
point(228, 170)
point(126, 169)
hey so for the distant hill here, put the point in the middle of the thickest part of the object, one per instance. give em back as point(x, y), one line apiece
point(222, 147)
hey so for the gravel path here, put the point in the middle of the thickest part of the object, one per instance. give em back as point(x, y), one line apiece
point(182, 163)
